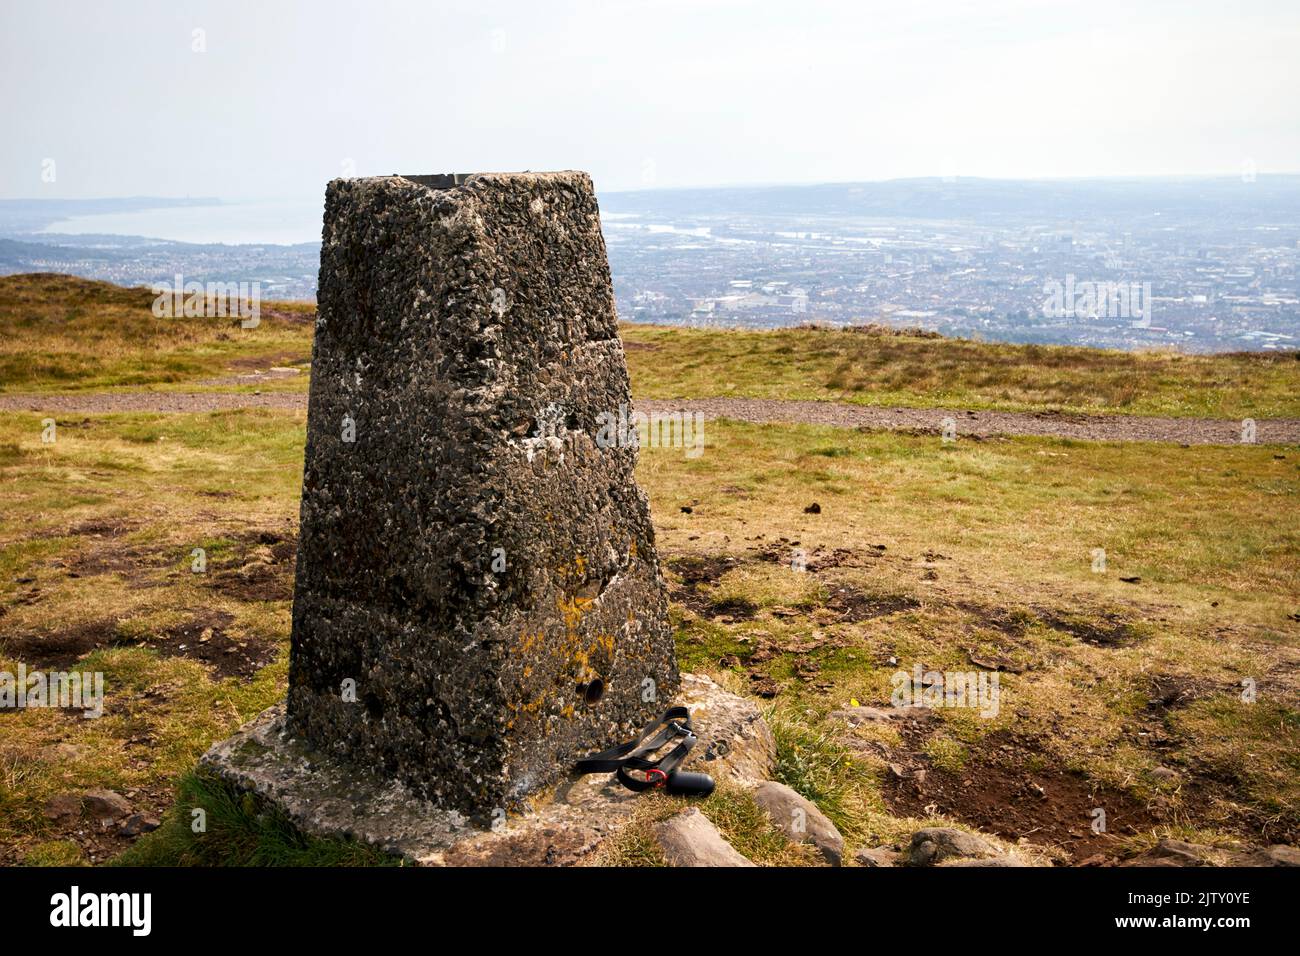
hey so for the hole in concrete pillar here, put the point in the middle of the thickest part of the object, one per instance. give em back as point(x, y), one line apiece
point(592, 691)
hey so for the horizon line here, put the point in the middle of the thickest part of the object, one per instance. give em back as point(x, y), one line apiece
point(766, 184)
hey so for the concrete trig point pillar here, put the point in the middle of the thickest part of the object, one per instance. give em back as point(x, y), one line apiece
point(478, 599)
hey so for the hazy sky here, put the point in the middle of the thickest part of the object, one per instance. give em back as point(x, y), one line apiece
point(286, 96)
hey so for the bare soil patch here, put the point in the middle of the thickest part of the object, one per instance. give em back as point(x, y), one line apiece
point(702, 568)
point(1108, 630)
point(205, 638)
point(101, 840)
point(854, 605)
point(737, 609)
point(1100, 628)
point(998, 791)
point(784, 550)
point(63, 648)
point(1172, 691)
point(254, 582)
point(104, 528)
point(258, 369)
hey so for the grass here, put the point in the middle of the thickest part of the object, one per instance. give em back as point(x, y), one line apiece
point(948, 548)
point(96, 533)
point(732, 810)
point(58, 333)
point(983, 550)
point(817, 765)
point(213, 824)
point(925, 372)
point(922, 553)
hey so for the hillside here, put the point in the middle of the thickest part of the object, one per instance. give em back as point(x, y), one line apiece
point(1123, 682)
point(61, 333)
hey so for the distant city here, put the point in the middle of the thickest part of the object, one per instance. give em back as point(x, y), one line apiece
point(1197, 264)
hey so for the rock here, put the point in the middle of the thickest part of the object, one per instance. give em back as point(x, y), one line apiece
point(63, 807)
point(326, 794)
point(138, 823)
point(1169, 852)
point(475, 555)
point(735, 742)
point(689, 839)
point(877, 856)
point(799, 819)
point(1160, 861)
point(1281, 855)
point(1277, 855)
point(936, 844)
point(545, 846)
point(60, 752)
point(987, 861)
point(105, 806)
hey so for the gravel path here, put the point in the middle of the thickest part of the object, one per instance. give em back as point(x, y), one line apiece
point(979, 424)
point(95, 402)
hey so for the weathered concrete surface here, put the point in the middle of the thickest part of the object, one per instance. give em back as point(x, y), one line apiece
point(470, 557)
point(326, 795)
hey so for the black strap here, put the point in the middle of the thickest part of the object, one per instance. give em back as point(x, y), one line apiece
point(676, 722)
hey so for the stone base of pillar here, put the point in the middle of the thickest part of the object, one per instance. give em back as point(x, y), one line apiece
point(325, 796)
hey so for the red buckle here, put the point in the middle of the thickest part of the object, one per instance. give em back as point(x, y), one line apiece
point(663, 777)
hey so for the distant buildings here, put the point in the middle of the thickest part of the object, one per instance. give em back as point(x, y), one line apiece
point(1213, 285)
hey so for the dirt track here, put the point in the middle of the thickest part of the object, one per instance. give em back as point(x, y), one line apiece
point(977, 424)
point(981, 424)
